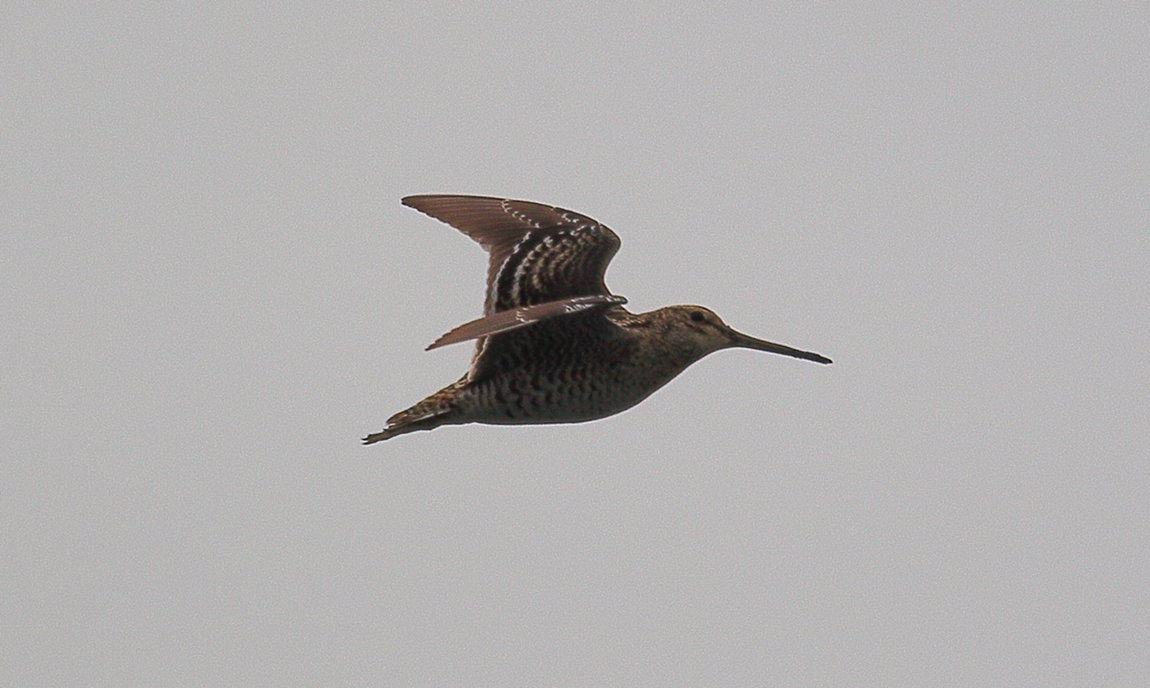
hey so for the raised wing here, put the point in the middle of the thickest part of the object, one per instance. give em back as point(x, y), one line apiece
point(505, 321)
point(538, 253)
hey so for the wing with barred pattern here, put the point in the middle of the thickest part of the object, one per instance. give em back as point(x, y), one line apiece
point(538, 253)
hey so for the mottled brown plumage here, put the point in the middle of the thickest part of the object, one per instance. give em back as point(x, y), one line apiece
point(554, 345)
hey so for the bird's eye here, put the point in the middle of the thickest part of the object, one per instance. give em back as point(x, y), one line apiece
point(698, 316)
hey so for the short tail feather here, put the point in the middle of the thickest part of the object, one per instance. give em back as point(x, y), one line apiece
point(438, 409)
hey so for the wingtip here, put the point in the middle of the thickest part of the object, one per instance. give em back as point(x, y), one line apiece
point(412, 201)
point(447, 338)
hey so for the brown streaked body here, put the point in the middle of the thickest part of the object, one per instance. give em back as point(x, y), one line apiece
point(554, 345)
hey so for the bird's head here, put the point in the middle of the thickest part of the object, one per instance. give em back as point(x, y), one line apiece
point(700, 331)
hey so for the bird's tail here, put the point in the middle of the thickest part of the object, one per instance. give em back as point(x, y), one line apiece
point(441, 408)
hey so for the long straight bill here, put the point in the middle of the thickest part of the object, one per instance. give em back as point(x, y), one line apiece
point(747, 342)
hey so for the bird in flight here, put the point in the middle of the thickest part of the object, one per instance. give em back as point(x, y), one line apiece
point(554, 345)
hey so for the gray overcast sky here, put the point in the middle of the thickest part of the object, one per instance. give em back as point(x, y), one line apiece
point(210, 292)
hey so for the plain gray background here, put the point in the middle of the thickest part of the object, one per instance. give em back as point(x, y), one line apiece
point(210, 292)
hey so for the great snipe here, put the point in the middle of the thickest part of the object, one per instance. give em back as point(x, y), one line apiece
point(555, 346)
